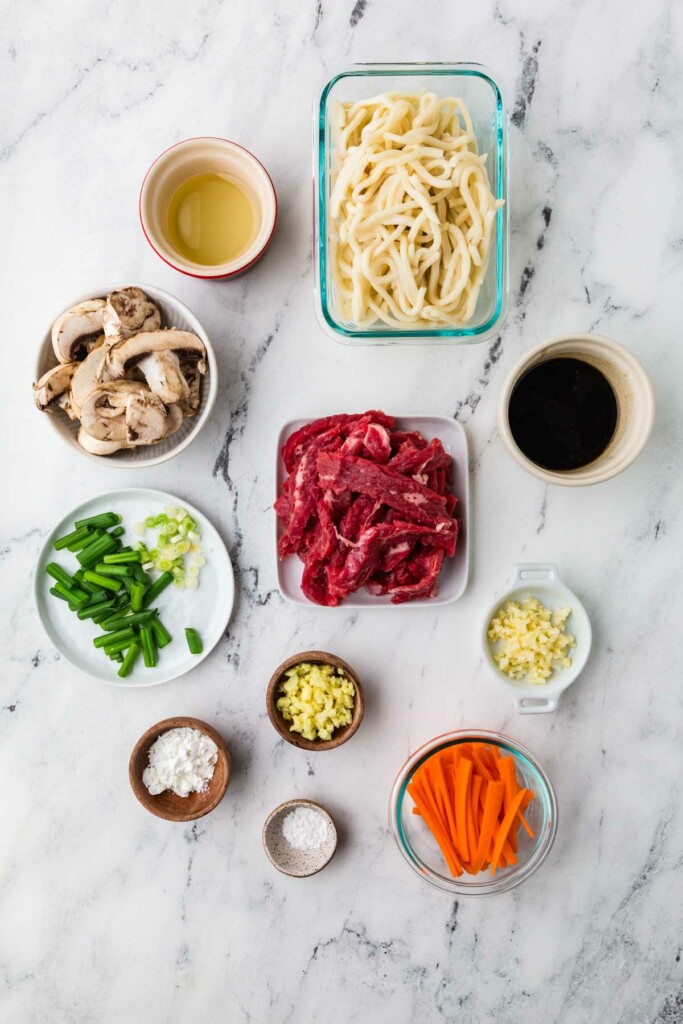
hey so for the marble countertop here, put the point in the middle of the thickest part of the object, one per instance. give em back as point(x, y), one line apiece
point(108, 914)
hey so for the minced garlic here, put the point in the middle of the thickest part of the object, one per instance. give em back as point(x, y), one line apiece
point(316, 699)
point(530, 640)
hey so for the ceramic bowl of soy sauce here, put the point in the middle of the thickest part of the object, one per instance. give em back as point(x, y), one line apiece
point(576, 410)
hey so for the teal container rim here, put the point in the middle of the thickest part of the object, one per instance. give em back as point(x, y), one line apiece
point(372, 70)
point(547, 832)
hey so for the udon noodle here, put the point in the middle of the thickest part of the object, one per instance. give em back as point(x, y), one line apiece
point(413, 211)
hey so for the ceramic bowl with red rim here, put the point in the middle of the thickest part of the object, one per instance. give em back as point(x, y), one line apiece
point(201, 156)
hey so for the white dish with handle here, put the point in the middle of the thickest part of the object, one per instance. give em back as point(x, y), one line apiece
point(541, 580)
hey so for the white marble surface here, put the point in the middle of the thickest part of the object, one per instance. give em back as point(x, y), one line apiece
point(109, 915)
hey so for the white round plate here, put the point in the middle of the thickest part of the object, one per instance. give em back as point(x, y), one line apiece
point(207, 609)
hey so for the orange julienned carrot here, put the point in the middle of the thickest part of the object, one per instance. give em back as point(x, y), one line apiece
point(439, 833)
point(505, 826)
point(462, 781)
point(494, 800)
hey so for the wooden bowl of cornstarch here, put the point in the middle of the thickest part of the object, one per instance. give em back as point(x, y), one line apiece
point(183, 776)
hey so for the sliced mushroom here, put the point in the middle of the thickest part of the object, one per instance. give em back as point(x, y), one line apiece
point(127, 412)
point(92, 372)
point(164, 377)
point(95, 447)
point(190, 371)
point(53, 387)
point(148, 420)
point(128, 312)
point(78, 331)
point(103, 413)
point(171, 360)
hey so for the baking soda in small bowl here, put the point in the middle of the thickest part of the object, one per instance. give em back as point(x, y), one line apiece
point(305, 828)
point(299, 838)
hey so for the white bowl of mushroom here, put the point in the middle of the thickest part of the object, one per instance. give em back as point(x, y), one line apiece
point(128, 373)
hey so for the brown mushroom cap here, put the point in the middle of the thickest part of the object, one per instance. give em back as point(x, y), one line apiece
point(53, 386)
point(78, 330)
point(128, 312)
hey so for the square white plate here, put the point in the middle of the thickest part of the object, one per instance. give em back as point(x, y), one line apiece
point(453, 576)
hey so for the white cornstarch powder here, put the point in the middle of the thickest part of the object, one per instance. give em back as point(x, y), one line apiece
point(304, 828)
point(182, 760)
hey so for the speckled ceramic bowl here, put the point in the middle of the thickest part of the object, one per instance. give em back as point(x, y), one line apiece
point(286, 858)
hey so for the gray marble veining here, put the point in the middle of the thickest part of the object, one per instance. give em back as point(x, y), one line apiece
point(109, 915)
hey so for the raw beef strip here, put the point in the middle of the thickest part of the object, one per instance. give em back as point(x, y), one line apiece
point(399, 437)
point(364, 557)
point(296, 444)
point(412, 461)
point(415, 501)
point(426, 568)
point(305, 492)
point(314, 584)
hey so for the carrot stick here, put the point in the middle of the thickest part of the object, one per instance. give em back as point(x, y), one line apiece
point(475, 789)
point(437, 830)
point(481, 764)
point(505, 827)
point(441, 783)
point(494, 800)
point(462, 781)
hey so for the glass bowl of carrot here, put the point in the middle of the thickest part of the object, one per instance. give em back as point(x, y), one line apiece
point(473, 813)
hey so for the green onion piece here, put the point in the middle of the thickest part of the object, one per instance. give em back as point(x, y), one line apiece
point(105, 519)
point(140, 575)
point(160, 633)
point(149, 651)
point(118, 531)
point(137, 592)
point(68, 538)
point(107, 639)
point(105, 569)
point(117, 646)
point(93, 536)
point(194, 641)
point(55, 593)
point(156, 588)
point(97, 597)
point(104, 544)
point(99, 617)
point(78, 545)
point(72, 594)
point(130, 659)
point(119, 621)
point(59, 574)
point(94, 553)
point(106, 582)
point(89, 611)
point(122, 557)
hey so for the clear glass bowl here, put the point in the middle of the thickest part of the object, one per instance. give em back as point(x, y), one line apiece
point(419, 848)
point(476, 85)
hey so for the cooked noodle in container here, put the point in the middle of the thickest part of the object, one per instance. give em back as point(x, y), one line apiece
point(411, 212)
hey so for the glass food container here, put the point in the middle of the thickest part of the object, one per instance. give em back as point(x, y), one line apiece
point(476, 85)
point(420, 849)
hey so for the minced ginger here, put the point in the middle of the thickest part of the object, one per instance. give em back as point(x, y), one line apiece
point(530, 640)
point(316, 699)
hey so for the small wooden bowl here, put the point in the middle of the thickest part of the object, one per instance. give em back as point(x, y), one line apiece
point(297, 863)
point(340, 735)
point(167, 805)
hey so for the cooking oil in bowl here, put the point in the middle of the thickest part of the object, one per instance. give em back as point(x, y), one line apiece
point(210, 220)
